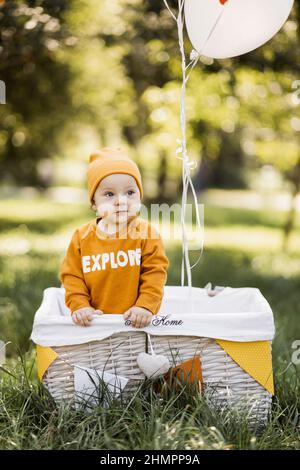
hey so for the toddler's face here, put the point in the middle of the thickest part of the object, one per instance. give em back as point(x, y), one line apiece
point(117, 198)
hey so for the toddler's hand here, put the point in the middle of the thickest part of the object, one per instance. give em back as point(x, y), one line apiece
point(139, 316)
point(212, 293)
point(83, 316)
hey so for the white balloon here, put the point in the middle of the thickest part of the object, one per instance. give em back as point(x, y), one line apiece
point(227, 28)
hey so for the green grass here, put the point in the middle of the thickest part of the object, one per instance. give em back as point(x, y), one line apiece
point(29, 419)
point(243, 249)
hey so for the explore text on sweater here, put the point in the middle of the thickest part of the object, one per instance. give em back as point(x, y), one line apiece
point(101, 261)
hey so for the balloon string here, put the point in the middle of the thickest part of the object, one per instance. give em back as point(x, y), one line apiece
point(186, 163)
point(150, 344)
point(171, 13)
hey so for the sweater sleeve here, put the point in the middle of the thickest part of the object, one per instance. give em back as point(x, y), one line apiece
point(154, 265)
point(71, 276)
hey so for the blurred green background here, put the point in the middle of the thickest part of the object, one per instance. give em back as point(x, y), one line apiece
point(82, 74)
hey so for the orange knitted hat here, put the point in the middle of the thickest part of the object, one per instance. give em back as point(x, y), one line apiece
point(108, 161)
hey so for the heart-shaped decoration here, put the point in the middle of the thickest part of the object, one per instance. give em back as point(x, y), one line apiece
point(153, 365)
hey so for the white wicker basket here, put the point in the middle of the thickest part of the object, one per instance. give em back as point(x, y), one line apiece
point(116, 354)
point(226, 385)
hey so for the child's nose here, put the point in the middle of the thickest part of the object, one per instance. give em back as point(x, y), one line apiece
point(122, 199)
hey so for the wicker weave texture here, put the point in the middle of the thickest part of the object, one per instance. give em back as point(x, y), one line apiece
point(226, 385)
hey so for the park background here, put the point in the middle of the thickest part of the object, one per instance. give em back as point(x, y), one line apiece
point(82, 74)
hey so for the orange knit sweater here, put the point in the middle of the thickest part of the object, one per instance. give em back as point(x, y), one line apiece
point(113, 273)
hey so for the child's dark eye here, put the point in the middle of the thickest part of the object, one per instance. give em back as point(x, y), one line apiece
point(108, 193)
point(130, 192)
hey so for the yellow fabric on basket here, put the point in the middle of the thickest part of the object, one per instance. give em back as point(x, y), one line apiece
point(254, 357)
point(45, 357)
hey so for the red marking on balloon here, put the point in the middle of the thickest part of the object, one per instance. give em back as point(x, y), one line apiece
point(223, 2)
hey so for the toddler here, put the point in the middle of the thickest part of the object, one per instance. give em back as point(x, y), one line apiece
point(115, 263)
